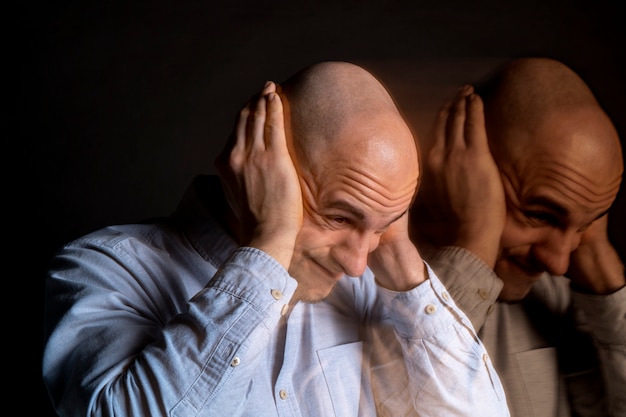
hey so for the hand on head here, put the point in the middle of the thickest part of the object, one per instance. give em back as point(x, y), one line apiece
point(517, 174)
point(461, 184)
point(259, 177)
point(395, 262)
point(357, 170)
point(595, 249)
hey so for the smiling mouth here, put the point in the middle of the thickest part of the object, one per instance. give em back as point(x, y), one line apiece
point(335, 276)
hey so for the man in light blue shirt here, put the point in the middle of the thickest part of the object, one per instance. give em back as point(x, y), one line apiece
point(255, 298)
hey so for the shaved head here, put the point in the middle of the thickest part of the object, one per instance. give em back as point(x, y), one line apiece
point(540, 110)
point(529, 94)
point(357, 164)
point(336, 110)
point(561, 164)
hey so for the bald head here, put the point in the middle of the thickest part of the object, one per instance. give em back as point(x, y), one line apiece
point(539, 109)
point(325, 96)
point(337, 109)
point(527, 90)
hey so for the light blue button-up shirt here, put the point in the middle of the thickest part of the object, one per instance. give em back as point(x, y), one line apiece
point(173, 319)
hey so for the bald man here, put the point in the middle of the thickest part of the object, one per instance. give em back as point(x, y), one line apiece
point(255, 298)
point(513, 217)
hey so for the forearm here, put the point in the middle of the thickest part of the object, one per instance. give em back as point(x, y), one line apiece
point(606, 317)
point(449, 371)
point(473, 285)
point(396, 263)
point(597, 269)
point(107, 352)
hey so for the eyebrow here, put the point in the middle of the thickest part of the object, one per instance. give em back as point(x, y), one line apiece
point(342, 205)
point(542, 201)
point(551, 205)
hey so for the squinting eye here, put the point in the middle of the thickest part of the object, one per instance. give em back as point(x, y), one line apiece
point(339, 220)
point(542, 217)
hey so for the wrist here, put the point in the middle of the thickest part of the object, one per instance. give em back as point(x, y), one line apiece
point(485, 244)
point(596, 269)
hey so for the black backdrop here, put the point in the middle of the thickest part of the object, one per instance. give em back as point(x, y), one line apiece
point(119, 105)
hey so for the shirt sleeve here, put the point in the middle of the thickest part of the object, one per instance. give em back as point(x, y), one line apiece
point(114, 347)
point(448, 370)
point(473, 285)
point(605, 316)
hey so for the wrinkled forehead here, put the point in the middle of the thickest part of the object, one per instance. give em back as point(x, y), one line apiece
point(564, 184)
point(374, 199)
point(379, 180)
point(579, 147)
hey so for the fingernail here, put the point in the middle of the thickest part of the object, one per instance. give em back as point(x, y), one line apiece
point(267, 84)
point(270, 96)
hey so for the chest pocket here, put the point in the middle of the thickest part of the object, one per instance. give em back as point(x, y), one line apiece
point(540, 380)
point(342, 368)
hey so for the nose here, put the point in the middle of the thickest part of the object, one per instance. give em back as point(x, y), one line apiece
point(352, 253)
point(553, 252)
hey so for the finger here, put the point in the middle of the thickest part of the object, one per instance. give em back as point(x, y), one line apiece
point(241, 127)
point(256, 125)
point(269, 87)
point(455, 128)
point(475, 131)
point(455, 124)
point(439, 127)
point(235, 145)
point(275, 122)
point(246, 116)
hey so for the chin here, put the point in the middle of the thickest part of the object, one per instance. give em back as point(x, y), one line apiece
point(514, 294)
point(517, 281)
point(311, 295)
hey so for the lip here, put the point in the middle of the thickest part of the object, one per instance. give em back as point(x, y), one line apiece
point(335, 276)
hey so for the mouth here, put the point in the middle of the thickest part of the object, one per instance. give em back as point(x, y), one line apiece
point(334, 276)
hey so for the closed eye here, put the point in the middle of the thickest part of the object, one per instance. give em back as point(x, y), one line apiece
point(542, 217)
point(339, 220)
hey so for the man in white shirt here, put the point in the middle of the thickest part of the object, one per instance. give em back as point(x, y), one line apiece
point(255, 298)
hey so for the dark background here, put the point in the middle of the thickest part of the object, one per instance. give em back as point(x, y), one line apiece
point(120, 105)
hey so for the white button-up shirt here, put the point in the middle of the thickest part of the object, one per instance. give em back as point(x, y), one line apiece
point(173, 319)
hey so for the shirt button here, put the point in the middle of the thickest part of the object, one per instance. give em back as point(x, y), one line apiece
point(277, 294)
point(482, 293)
point(284, 310)
point(430, 309)
point(445, 296)
point(485, 357)
point(283, 394)
point(235, 362)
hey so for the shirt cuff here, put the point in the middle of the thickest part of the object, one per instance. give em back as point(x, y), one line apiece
point(256, 277)
point(605, 314)
point(424, 311)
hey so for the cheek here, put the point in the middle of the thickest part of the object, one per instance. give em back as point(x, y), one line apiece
point(516, 234)
point(313, 235)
